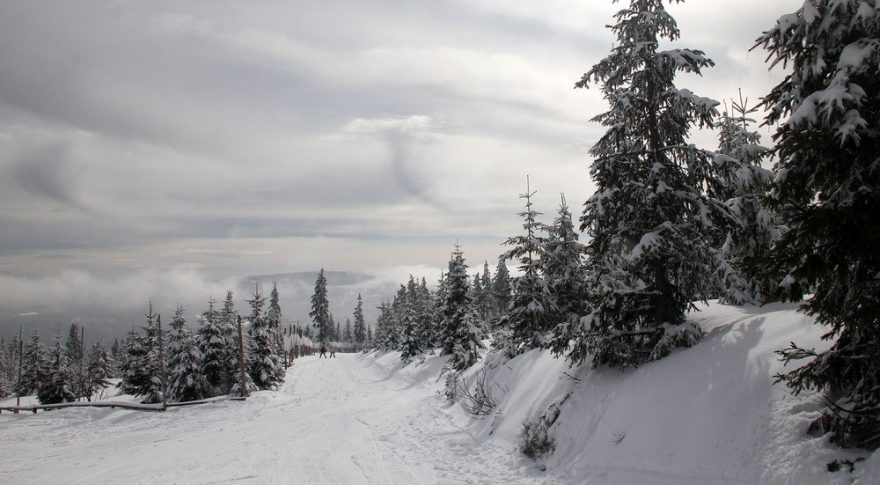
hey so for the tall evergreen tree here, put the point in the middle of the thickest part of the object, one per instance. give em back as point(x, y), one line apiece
point(273, 319)
point(743, 184)
point(565, 274)
point(321, 310)
point(59, 383)
point(155, 384)
point(827, 188)
point(410, 344)
point(266, 368)
point(531, 309)
point(461, 330)
point(73, 345)
point(360, 331)
point(648, 217)
point(386, 336)
point(33, 368)
point(186, 381)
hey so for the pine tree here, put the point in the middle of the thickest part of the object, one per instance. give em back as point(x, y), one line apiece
point(186, 382)
point(531, 309)
point(321, 310)
point(461, 330)
point(647, 219)
point(386, 337)
point(133, 365)
point(360, 331)
point(34, 367)
point(265, 366)
point(229, 329)
point(215, 350)
point(424, 309)
point(486, 304)
point(273, 320)
point(565, 274)
point(73, 345)
point(827, 189)
point(5, 382)
point(155, 383)
point(410, 345)
point(743, 184)
point(501, 288)
point(347, 336)
point(99, 369)
point(58, 386)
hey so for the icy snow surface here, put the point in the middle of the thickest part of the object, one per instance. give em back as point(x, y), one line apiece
point(704, 415)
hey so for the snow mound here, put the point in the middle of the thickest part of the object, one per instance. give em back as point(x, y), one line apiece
point(708, 414)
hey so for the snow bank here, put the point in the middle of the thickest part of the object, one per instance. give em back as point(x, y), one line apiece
point(709, 414)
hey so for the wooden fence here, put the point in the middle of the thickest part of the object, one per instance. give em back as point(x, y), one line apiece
point(117, 404)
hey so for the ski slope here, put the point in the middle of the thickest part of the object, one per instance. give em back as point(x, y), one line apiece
point(349, 420)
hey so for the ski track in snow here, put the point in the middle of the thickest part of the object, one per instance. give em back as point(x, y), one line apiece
point(347, 420)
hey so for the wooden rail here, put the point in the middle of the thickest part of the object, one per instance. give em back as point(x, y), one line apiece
point(116, 404)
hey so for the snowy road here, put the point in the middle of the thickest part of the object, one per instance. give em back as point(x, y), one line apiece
point(348, 420)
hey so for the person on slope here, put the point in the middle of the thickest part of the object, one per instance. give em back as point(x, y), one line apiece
point(333, 351)
point(323, 351)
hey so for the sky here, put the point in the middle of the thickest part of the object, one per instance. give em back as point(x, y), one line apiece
point(165, 146)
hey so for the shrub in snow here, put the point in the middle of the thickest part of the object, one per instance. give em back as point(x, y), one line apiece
point(827, 188)
point(648, 219)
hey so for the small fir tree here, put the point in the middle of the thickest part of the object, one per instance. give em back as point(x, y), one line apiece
point(214, 349)
point(186, 380)
point(100, 369)
point(33, 368)
point(59, 383)
point(501, 288)
point(461, 329)
point(265, 366)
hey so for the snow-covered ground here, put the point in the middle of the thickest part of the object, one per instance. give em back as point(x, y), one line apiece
point(703, 415)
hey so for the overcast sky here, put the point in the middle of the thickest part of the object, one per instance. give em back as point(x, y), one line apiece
point(216, 138)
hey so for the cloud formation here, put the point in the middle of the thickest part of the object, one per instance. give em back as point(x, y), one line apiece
point(225, 138)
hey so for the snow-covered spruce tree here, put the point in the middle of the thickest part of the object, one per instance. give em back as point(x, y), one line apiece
point(100, 369)
point(531, 310)
point(5, 381)
point(33, 367)
point(214, 348)
point(321, 310)
point(386, 336)
point(155, 389)
point(58, 386)
point(827, 189)
point(273, 321)
point(565, 274)
point(649, 257)
point(486, 304)
point(501, 288)
point(743, 184)
point(347, 336)
point(461, 329)
point(186, 382)
point(360, 330)
point(133, 365)
point(410, 345)
point(265, 367)
point(438, 312)
point(229, 329)
point(424, 308)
